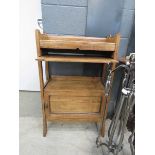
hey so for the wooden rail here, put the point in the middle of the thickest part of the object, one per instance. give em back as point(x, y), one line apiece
point(76, 59)
point(81, 45)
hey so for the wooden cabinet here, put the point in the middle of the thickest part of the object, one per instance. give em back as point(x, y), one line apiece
point(75, 95)
point(74, 98)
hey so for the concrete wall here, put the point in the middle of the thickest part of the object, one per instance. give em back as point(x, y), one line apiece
point(64, 17)
point(127, 22)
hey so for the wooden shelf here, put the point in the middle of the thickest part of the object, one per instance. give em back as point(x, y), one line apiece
point(76, 59)
point(74, 86)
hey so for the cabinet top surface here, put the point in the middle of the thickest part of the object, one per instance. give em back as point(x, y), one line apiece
point(75, 85)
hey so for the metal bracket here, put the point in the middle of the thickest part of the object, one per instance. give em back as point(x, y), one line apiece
point(40, 23)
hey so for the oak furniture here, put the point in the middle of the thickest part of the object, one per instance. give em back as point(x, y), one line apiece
point(74, 98)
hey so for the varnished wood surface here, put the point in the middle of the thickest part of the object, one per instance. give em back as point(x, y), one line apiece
point(74, 98)
point(76, 38)
point(42, 97)
point(76, 59)
point(37, 36)
point(75, 104)
point(117, 39)
point(74, 117)
point(46, 41)
point(82, 45)
point(75, 86)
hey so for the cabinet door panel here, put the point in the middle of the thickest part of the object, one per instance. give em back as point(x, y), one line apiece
point(60, 104)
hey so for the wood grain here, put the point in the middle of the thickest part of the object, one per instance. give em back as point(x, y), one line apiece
point(74, 117)
point(75, 104)
point(70, 37)
point(75, 86)
point(37, 36)
point(76, 59)
point(117, 40)
point(81, 45)
point(43, 98)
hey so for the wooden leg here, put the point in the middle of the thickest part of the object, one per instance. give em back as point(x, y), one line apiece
point(45, 112)
point(102, 121)
point(44, 126)
point(42, 97)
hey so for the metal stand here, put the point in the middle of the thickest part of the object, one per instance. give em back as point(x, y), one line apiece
point(125, 105)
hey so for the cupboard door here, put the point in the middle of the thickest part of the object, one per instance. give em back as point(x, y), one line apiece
point(61, 104)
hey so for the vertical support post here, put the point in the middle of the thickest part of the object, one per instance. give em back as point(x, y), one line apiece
point(41, 80)
point(47, 70)
point(116, 40)
point(42, 97)
point(38, 35)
